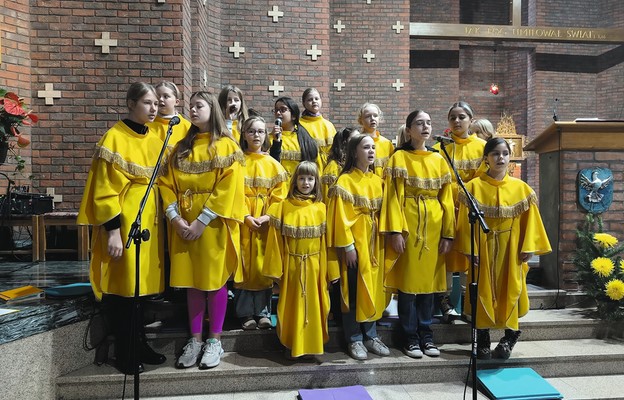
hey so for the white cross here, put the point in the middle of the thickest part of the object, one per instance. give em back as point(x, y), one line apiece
point(276, 88)
point(275, 13)
point(49, 94)
point(237, 49)
point(106, 42)
point(314, 52)
point(205, 78)
point(56, 198)
point(339, 84)
point(368, 56)
point(398, 85)
point(338, 26)
point(368, 1)
point(398, 27)
point(162, 1)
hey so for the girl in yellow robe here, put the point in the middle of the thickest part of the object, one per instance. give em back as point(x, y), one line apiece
point(321, 130)
point(168, 100)
point(202, 193)
point(466, 152)
point(516, 233)
point(121, 169)
point(354, 239)
point(266, 183)
point(418, 218)
point(235, 111)
point(291, 141)
point(296, 256)
point(369, 117)
point(336, 158)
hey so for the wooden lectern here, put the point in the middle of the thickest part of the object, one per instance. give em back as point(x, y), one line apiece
point(564, 148)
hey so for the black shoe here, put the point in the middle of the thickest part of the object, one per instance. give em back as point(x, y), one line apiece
point(149, 356)
point(124, 366)
point(483, 344)
point(506, 344)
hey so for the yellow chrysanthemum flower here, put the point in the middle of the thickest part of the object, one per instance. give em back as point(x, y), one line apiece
point(602, 266)
point(605, 240)
point(622, 264)
point(615, 289)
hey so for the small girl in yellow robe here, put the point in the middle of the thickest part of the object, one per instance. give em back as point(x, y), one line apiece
point(369, 117)
point(234, 108)
point(418, 218)
point(516, 233)
point(168, 100)
point(336, 158)
point(296, 256)
point(321, 130)
point(202, 193)
point(266, 183)
point(354, 239)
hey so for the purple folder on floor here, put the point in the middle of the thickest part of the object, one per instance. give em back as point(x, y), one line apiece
point(343, 393)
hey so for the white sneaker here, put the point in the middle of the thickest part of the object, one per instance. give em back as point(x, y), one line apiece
point(431, 350)
point(357, 351)
point(376, 346)
point(190, 353)
point(212, 354)
point(413, 350)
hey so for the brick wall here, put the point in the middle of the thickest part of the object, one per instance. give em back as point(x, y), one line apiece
point(15, 71)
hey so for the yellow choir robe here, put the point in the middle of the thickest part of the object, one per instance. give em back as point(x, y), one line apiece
point(329, 177)
point(383, 150)
point(353, 218)
point(418, 203)
point(511, 212)
point(160, 126)
point(467, 156)
point(211, 177)
point(121, 169)
point(296, 256)
point(235, 132)
point(291, 153)
point(266, 183)
point(322, 131)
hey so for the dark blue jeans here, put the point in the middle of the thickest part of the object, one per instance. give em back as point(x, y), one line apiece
point(415, 315)
point(356, 331)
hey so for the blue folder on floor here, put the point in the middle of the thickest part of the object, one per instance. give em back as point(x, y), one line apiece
point(69, 291)
point(516, 384)
point(343, 393)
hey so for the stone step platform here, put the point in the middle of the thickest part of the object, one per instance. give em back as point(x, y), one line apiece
point(269, 370)
point(556, 343)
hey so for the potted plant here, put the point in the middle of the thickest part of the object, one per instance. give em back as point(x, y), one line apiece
point(13, 114)
point(598, 259)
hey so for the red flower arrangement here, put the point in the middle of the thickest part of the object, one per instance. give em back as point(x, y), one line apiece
point(13, 114)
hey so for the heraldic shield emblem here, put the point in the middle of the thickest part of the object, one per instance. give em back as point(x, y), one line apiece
point(595, 189)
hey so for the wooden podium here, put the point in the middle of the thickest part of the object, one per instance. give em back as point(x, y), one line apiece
point(564, 148)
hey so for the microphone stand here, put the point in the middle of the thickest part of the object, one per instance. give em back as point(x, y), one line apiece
point(474, 215)
point(137, 235)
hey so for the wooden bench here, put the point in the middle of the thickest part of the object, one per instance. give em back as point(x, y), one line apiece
point(61, 218)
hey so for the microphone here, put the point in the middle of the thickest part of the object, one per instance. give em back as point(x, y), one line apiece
point(174, 121)
point(278, 122)
point(443, 139)
point(555, 117)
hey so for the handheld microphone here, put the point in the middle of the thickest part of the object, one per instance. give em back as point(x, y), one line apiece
point(443, 139)
point(174, 121)
point(278, 122)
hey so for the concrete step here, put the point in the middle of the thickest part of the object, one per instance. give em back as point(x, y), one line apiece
point(556, 343)
point(572, 388)
point(269, 371)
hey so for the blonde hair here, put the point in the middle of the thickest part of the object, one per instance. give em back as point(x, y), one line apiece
point(483, 128)
point(400, 138)
point(306, 168)
point(171, 86)
point(366, 105)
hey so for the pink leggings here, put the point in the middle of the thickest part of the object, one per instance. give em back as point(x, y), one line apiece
point(217, 305)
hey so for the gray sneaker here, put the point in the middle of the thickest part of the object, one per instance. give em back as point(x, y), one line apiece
point(431, 350)
point(376, 346)
point(190, 353)
point(212, 354)
point(357, 350)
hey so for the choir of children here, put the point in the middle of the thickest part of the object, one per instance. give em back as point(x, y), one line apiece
point(323, 208)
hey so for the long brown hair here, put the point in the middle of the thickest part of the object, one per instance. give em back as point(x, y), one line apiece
point(352, 146)
point(216, 127)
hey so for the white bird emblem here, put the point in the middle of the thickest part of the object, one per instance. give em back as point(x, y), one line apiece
point(593, 186)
